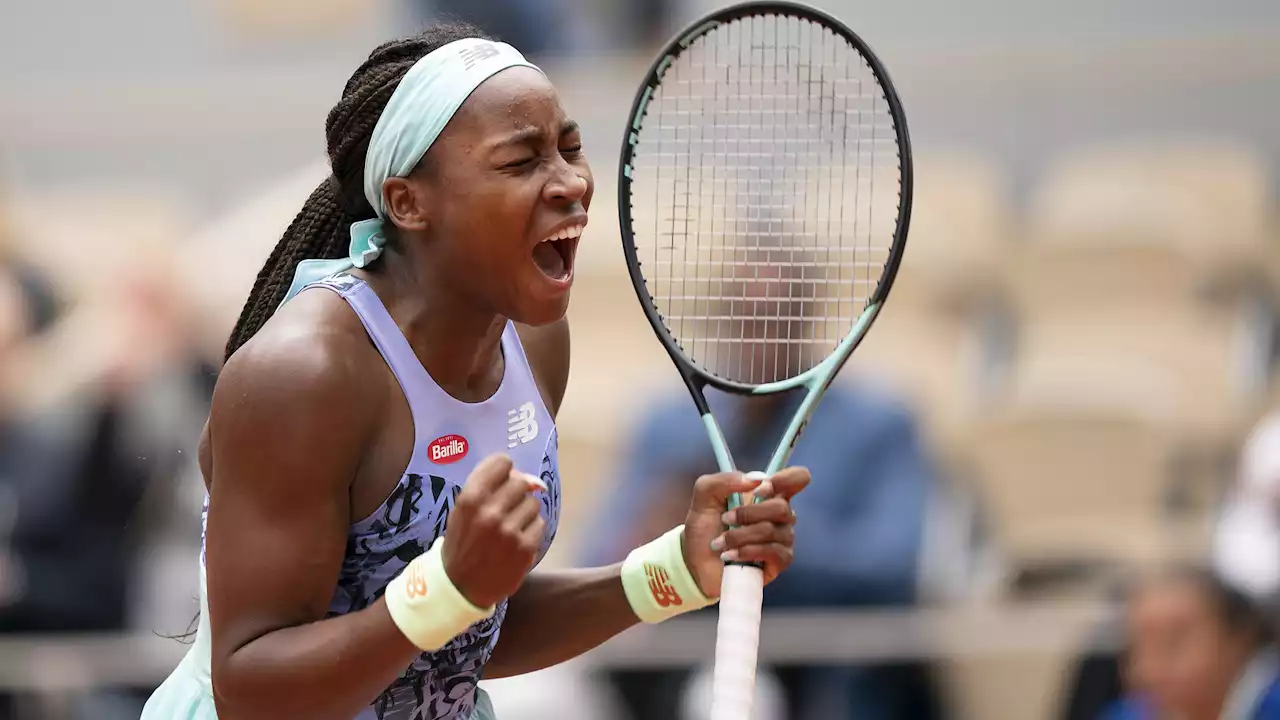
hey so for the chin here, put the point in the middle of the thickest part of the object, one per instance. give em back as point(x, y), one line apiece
point(542, 311)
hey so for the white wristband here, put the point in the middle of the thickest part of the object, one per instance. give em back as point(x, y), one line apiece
point(426, 606)
point(657, 581)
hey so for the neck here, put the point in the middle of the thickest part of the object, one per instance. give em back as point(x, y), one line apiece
point(457, 342)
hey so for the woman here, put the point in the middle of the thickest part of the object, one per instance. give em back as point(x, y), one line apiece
point(1198, 650)
point(377, 391)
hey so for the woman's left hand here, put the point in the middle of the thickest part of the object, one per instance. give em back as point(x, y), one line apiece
point(763, 531)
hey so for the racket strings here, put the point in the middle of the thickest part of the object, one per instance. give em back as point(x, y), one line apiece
point(764, 191)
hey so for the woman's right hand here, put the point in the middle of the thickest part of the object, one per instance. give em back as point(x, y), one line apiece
point(494, 532)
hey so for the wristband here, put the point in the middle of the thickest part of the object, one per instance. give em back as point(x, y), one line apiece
point(657, 581)
point(426, 606)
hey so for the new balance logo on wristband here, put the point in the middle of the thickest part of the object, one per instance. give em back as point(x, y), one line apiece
point(657, 581)
point(660, 586)
point(415, 585)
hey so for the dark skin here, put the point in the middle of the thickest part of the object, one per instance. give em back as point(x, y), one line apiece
point(506, 172)
point(1182, 654)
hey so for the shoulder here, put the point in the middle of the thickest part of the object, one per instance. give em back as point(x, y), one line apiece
point(547, 349)
point(310, 364)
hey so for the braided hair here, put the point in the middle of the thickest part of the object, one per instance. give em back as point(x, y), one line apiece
point(321, 230)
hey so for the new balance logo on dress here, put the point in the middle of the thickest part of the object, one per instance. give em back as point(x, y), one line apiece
point(660, 586)
point(522, 425)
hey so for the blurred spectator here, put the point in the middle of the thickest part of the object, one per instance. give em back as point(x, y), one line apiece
point(1199, 649)
point(859, 544)
point(1095, 683)
point(26, 310)
point(1246, 554)
point(647, 24)
point(91, 410)
point(537, 28)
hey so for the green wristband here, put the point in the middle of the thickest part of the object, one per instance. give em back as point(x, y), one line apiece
point(657, 581)
point(426, 606)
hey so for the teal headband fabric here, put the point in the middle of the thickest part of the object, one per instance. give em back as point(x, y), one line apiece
point(418, 111)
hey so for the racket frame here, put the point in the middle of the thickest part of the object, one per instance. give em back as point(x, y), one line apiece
point(817, 379)
point(738, 629)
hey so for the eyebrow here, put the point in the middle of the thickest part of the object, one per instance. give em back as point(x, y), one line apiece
point(532, 133)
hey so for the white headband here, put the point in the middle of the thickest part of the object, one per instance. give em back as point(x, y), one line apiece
point(418, 111)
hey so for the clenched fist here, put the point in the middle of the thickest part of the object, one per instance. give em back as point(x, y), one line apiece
point(763, 532)
point(494, 533)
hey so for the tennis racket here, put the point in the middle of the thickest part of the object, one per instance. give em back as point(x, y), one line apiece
point(764, 197)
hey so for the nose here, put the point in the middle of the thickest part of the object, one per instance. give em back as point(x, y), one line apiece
point(569, 185)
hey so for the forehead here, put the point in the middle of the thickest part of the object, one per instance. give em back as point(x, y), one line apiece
point(513, 99)
point(1169, 601)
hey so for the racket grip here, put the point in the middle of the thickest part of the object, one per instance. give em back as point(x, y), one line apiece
point(733, 684)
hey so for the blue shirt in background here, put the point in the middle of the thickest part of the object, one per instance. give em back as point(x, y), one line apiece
point(861, 521)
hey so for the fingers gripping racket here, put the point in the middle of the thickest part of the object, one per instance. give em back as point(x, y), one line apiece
point(764, 198)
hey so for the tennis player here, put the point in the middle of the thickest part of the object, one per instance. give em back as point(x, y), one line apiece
point(381, 451)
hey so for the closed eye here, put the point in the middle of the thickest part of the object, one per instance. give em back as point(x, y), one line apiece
point(516, 164)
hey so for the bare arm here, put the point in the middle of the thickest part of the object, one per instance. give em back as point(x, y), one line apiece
point(290, 418)
point(560, 614)
point(556, 616)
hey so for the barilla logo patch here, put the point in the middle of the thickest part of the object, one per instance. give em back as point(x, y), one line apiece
point(447, 449)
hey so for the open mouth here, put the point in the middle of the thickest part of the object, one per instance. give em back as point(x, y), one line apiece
point(554, 255)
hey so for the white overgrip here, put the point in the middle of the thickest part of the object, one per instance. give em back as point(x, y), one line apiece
point(733, 686)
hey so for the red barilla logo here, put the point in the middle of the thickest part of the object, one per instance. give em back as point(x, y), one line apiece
point(447, 449)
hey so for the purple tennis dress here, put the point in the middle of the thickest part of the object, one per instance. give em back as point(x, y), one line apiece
point(450, 438)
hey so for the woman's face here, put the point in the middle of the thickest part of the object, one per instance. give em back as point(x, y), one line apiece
point(503, 196)
point(1181, 656)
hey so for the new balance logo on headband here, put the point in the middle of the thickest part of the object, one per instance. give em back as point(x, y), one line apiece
point(522, 425)
point(476, 53)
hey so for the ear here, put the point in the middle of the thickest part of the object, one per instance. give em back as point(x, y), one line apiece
point(407, 203)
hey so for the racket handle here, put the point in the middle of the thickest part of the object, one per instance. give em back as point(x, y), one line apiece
point(733, 683)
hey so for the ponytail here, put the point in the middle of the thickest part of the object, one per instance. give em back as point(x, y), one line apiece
point(319, 231)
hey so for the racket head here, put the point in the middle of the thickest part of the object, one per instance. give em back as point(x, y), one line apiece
point(811, 361)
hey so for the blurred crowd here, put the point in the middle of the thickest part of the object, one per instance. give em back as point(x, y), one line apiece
point(101, 392)
point(107, 365)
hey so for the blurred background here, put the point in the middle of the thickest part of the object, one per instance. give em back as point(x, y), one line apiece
point(1073, 380)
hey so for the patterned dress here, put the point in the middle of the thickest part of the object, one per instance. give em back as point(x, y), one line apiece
point(450, 439)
